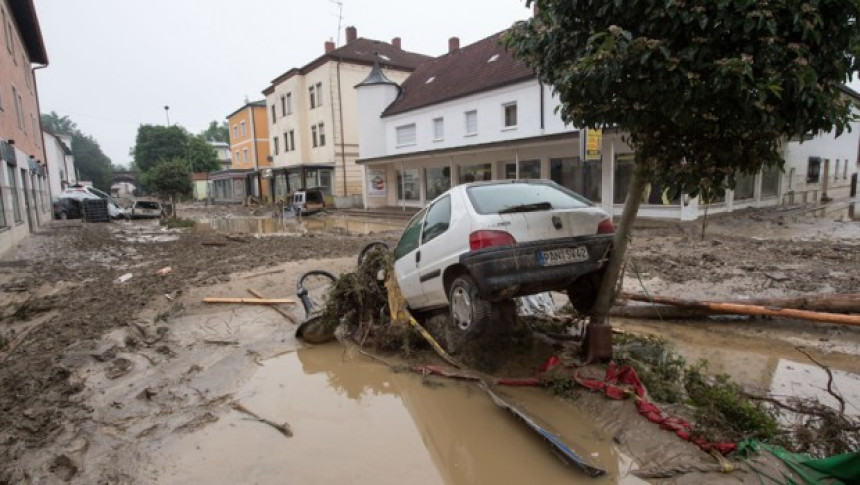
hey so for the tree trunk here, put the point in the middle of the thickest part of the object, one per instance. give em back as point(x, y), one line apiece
point(833, 303)
point(606, 294)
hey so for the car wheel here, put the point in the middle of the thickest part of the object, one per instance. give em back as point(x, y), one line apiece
point(470, 313)
point(583, 292)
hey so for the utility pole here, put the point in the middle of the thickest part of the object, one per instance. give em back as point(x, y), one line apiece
point(167, 114)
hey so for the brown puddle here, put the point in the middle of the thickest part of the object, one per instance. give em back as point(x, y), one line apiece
point(266, 226)
point(355, 420)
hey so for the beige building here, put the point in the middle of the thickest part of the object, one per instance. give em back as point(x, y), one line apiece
point(313, 116)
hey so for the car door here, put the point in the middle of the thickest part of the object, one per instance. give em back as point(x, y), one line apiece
point(406, 262)
point(436, 252)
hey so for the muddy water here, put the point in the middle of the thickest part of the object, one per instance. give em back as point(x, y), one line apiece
point(264, 226)
point(356, 421)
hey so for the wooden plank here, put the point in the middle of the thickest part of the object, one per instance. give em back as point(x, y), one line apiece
point(279, 310)
point(250, 301)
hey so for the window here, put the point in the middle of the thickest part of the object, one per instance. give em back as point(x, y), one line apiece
point(245, 152)
point(492, 198)
point(845, 171)
point(274, 115)
point(813, 170)
point(321, 131)
point(438, 129)
point(405, 135)
point(437, 181)
point(237, 156)
point(836, 171)
point(471, 123)
point(409, 241)
point(12, 180)
point(438, 219)
point(292, 139)
point(312, 96)
point(289, 103)
point(319, 94)
point(408, 185)
point(744, 187)
point(529, 169)
point(243, 128)
point(509, 112)
point(283, 106)
point(275, 141)
point(475, 173)
point(7, 29)
point(235, 133)
point(286, 143)
point(314, 140)
point(19, 116)
point(26, 72)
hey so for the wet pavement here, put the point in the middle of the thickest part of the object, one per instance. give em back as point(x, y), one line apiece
point(356, 420)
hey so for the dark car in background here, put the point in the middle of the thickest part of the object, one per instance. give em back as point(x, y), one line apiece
point(67, 208)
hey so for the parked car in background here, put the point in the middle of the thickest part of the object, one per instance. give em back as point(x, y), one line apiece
point(67, 208)
point(81, 192)
point(479, 245)
point(308, 201)
point(145, 209)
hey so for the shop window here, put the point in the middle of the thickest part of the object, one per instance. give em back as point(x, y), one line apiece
point(582, 177)
point(529, 169)
point(476, 173)
point(813, 170)
point(408, 185)
point(438, 180)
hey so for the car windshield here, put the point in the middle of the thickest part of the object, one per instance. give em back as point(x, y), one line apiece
point(523, 197)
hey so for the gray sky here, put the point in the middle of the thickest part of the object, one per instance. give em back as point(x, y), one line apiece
point(115, 64)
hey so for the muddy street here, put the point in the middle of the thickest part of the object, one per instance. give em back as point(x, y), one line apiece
point(106, 378)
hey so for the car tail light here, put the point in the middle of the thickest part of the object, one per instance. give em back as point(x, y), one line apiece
point(486, 239)
point(605, 227)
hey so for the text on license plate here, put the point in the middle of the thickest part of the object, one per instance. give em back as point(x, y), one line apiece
point(555, 257)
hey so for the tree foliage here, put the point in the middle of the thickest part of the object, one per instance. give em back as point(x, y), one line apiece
point(156, 143)
point(706, 89)
point(169, 178)
point(216, 132)
point(91, 162)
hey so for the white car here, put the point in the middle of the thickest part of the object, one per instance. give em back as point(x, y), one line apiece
point(479, 245)
point(145, 209)
point(81, 192)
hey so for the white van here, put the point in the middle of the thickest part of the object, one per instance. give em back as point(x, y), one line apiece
point(81, 192)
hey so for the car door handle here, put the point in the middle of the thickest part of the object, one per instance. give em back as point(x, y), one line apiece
point(417, 257)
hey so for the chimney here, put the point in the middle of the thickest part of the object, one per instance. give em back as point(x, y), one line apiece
point(453, 44)
point(396, 42)
point(329, 46)
point(351, 34)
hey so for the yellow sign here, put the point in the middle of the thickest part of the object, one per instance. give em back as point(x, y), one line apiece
point(593, 144)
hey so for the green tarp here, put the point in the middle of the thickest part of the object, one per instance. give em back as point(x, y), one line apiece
point(806, 470)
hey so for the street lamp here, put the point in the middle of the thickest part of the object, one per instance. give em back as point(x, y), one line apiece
point(167, 114)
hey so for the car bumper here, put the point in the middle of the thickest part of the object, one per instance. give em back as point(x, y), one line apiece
point(510, 271)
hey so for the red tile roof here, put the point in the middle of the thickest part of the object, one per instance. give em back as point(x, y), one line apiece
point(465, 71)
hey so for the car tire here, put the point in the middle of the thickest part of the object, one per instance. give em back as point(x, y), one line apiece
point(583, 292)
point(471, 315)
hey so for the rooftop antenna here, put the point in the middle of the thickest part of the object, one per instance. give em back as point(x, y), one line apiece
point(339, 4)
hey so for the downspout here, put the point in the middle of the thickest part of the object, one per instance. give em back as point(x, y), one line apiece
point(540, 85)
point(340, 122)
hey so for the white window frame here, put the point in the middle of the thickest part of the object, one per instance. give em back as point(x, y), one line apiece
point(276, 142)
point(319, 95)
point(235, 132)
point(283, 106)
point(242, 124)
point(289, 103)
point(314, 140)
point(438, 128)
point(321, 133)
point(405, 135)
point(312, 96)
point(505, 106)
point(274, 114)
point(245, 153)
point(466, 115)
point(292, 140)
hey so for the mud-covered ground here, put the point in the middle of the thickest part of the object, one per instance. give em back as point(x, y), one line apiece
point(71, 331)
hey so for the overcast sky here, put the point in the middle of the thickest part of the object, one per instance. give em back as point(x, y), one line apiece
point(115, 64)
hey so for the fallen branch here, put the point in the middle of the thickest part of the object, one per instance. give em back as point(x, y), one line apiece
point(283, 428)
point(831, 303)
point(830, 390)
point(279, 310)
point(744, 309)
point(251, 301)
point(263, 274)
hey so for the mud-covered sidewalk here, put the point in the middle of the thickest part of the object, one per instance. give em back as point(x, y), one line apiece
point(103, 381)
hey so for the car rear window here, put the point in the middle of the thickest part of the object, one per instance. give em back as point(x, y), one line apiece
point(490, 199)
point(147, 205)
point(314, 196)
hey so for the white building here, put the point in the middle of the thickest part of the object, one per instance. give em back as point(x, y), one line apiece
point(476, 113)
point(223, 151)
point(61, 162)
point(312, 113)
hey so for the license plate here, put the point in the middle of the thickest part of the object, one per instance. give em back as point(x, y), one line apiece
point(555, 257)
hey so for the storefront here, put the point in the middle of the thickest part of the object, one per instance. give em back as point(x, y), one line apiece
point(231, 186)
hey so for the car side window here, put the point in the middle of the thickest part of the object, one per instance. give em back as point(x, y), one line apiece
point(438, 219)
point(411, 237)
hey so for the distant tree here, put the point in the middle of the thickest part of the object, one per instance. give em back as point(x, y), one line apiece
point(706, 90)
point(170, 179)
point(156, 143)
point(216, 132)
point(201, 155)
point(90, 160)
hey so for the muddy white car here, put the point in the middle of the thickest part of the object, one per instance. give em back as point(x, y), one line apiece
point(479, 245)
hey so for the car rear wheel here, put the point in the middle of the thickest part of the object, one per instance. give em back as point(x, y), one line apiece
point(471, 314)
